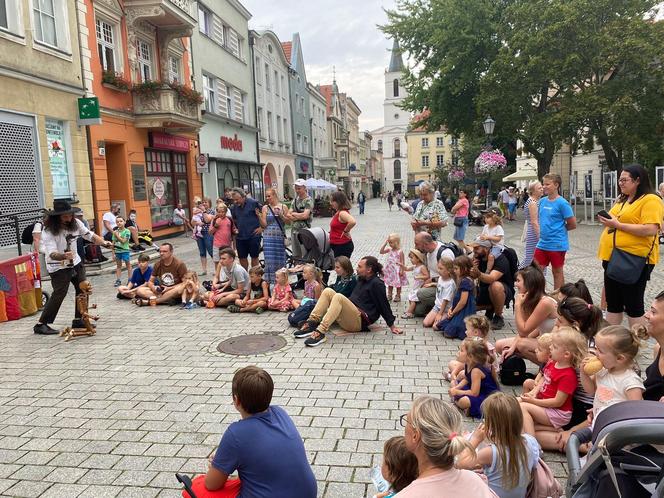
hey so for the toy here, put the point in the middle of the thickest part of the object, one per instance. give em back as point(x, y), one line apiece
point(83, 305)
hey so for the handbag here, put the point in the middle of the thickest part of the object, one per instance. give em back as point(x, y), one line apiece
point(626, 268)
point(458, 221)
point(287, 239)
point(543, 484)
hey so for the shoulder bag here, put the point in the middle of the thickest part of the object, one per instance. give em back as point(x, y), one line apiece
point(624, 267)
point(287, 239)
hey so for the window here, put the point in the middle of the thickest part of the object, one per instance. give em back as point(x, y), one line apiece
point(173, 69)
point(286, 134)
point(267, 77)
point(298, 142)
point(302, 105)
point(425, 161)
point(259, 76)
point(3, 14)
point(240, 43)
point(45, 25)
point(276, 83)
point(225, 40)
point(105, 44)
point(440, 160)
point(306, 145)
point(397, 147)
point(297, 102)
point(425, 142)
point(57, 158)
point(270, 131)
point(380, 146)
point(439, 141)
point(144, 51)
point(168, 172)
point(204, 21)
point(397, 170)
point(230, 107)
point(395, 87)
point(208, 93)
point(259, 124)
point(245, 109)
point(283, 86)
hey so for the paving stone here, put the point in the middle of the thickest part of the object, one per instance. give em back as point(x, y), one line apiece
point(102, 477)
point(28, 489)
point(32, 473)
point(344, 490)
point(64, 491)
point(65, 475)
point(134, 478)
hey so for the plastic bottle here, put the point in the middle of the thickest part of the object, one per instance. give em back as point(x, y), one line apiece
point(378, 480)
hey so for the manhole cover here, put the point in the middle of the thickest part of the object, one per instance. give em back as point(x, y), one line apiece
point(251, 344)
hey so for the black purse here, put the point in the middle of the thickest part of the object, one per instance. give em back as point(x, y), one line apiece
point(458, 221)
point(626, 268)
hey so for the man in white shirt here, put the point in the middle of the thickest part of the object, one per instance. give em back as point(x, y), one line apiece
point(64, 265)
point(434, 250)
point(108, 221)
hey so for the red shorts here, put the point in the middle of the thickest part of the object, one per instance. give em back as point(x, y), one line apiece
point(544, 258)
point(230, 490)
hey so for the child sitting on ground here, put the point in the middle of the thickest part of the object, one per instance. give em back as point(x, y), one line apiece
point(420, 278)
point(264, 447)
point(282, 298)
point(139, 278)
point(494, 233)
point(463, 304)
point(478, 380)
point(445, 289)
point(313, 284)
point(476, 326)
point(190, 292)
point(256, 299)
point(399, 468)
point(543, 354)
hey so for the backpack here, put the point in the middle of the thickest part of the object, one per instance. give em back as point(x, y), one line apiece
point(512, 259)
point(543, 484)
point(452, 247)
point(93, 254)
point(26, 235)
point(301, 313)
point(513, 371)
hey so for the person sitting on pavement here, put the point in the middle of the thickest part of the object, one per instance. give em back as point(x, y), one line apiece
point(165, 285)
point(139, 278)
point(264, 447)
point(231, 281)
point(366, 304)
point(496, 288)
point(433, 250)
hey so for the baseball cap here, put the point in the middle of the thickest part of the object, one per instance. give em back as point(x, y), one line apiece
point(300, 183)
point(483, 243)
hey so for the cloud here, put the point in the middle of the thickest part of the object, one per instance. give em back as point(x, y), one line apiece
point(341, 33)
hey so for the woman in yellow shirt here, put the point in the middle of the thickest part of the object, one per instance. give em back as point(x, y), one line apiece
point(634, 224)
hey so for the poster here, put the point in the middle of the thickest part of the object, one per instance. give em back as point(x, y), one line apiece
point(57, 158)
point(588, 183)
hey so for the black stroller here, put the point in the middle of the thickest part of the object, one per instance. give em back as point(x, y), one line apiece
point(317, 251)
point(623, 461)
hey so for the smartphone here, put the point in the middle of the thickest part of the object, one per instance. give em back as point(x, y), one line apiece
point(604, 214)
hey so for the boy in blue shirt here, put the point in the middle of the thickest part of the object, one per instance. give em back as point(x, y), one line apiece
point(556, 218)
point(139, 278)
point(264, 447)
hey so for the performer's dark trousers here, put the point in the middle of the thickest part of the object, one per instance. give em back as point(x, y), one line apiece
point(60, 281)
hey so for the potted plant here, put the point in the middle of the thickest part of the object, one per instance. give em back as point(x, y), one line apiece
point(489, 161)
point(147, 89)
point(188, 94)
point(115, 80)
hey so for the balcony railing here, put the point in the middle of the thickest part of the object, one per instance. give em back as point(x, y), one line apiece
point(165, 108)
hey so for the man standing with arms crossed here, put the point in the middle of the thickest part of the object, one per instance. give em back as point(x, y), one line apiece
point(301, 215)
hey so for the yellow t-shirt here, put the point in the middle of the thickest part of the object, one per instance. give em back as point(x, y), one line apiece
point(644, 211)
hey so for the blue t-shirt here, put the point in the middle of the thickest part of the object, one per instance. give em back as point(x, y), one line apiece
point(245, 218)
point(552, 216)
point(138, 278)
point(267, 451)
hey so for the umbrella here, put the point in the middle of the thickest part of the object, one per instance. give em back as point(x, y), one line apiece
point(527, 173)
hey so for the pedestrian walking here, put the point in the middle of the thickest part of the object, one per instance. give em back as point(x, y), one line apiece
point(361, 199)
point(390, 200)
point(531, 232)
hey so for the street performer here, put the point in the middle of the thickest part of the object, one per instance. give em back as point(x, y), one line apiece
point(64, 265)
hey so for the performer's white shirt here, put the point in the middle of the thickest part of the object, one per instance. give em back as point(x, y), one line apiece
point(50, 243)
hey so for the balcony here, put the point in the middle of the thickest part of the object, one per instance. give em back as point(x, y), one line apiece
point(165, 108)
point(165, 14)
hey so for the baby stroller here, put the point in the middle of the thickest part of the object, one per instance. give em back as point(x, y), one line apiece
point(622, 462)
point(317, 251)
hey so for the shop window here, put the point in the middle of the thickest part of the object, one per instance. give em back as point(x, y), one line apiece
point(167, 184)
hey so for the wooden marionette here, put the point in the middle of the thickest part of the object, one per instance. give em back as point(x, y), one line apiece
point(83, 306)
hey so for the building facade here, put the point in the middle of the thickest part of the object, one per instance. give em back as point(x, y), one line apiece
point(224, 74)
point(352, 178)
point(337, 153)
point(319, 138)
point(43, 150)
point(274, 112)
point(390, 139)
point(300, 112)
point(137, 61)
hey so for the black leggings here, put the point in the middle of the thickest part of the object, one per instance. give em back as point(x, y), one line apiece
point(626, 298)
point(343, 249)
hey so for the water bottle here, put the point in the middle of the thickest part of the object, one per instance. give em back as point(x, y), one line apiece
point(378, 480)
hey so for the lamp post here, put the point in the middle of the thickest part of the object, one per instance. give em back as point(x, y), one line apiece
point(489, 125)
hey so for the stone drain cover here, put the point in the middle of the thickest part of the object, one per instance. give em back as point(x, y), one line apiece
point(251, 344)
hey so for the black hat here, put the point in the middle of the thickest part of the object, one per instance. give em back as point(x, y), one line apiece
point(61, 206)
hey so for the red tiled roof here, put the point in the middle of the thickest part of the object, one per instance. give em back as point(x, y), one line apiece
point(326, 91)
point(287, 46)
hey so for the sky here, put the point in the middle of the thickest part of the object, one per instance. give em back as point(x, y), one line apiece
point(340, 33)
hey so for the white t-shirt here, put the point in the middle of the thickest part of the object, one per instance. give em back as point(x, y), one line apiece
point(432, 259)
point(494, 231)
point(110, 217)
point(445, 290)
point(505, 196)
point(611, 388)
point(236, 275)
point(178, 216)
point(50, 243)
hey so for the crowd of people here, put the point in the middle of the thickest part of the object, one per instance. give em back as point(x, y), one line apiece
point(562, 333)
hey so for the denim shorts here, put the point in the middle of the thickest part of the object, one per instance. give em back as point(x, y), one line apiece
point(204, 245)
point(460, 232)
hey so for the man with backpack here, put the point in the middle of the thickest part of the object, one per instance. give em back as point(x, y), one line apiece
point(434, 250)
point(496, 288)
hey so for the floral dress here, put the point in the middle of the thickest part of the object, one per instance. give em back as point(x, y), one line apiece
point(392, 273)
point(431, 211)
point(278, 300)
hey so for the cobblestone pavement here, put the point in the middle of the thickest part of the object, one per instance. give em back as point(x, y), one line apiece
point(119, 413)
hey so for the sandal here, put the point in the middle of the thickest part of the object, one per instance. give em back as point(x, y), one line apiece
point(396, 299)
point(407, 315)
point(233, 308)
point(259, 310)
point(141, 302)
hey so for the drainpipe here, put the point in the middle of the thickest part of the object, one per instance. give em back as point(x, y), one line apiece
point(253, 82)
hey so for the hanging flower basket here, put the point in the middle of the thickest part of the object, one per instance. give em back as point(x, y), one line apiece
point(456, 175)
point(489, 161)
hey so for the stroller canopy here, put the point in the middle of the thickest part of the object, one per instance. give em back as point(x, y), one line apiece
point(316, 242)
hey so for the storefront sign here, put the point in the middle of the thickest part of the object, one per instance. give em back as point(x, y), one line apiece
point(88, 111)
point(231, 143)
point(138, 182)
point(169, 142)
point(202, 163)
point(57, 158)
point(158, 188)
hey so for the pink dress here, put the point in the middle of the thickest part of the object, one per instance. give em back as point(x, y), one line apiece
point(310, 289)
point(279, 293)
point(391, 271)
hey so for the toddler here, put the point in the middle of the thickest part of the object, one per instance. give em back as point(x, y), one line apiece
point(420, 277)
point(399, 468)
point(256, 299)
point(476, 326)
point(478, 380)
point(463, 304)
point(494, 233)
point(121, 238)
point(543, 354)
point(393, 273)
point(282, 298)
point(445, 289)
point(190, 293)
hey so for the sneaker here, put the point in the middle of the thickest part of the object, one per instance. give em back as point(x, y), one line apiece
point(189, 306)
point(44, 329)
point(489, 314)
point(315, 340)
point(497, 322)
point(233, 308)
point(302, 334)
point(117, 283)
point(259, 310)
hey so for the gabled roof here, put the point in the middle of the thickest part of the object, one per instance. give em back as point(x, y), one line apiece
point(327, 91)
point(287, 46)
point(396, 60)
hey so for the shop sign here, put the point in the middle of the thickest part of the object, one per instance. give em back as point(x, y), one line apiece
point(231, 143)
point(88, 111)
point(159, 189)
point(202, 163)
point(138, 182)
point(57, 158)
point(170, 142)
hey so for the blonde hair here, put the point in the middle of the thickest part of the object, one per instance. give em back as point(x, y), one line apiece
point(574, 341)
point(478, 322)
point(191, 275)
point(532, 185)
point(222, 205)
point(544, 341)
point(440, 429)
point(448, 264)
point(395, 236)
point(503, 421)
point(318, 274)
point(623, 340)
point(281, 272)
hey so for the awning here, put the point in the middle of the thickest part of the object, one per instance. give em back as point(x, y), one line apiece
point(522, 174)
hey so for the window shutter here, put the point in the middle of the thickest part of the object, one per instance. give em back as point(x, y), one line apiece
point(217, 30)
point(221, 101)
point(233, 42)
point(237, 97)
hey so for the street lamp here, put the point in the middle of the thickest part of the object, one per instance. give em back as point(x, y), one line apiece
point(489, 125)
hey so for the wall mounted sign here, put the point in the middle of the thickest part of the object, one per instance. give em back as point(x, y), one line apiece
point(231, 143)
point(57, 158)
point(168, 142)
point(202, 163)
point(138, 182)
point(159, 188)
